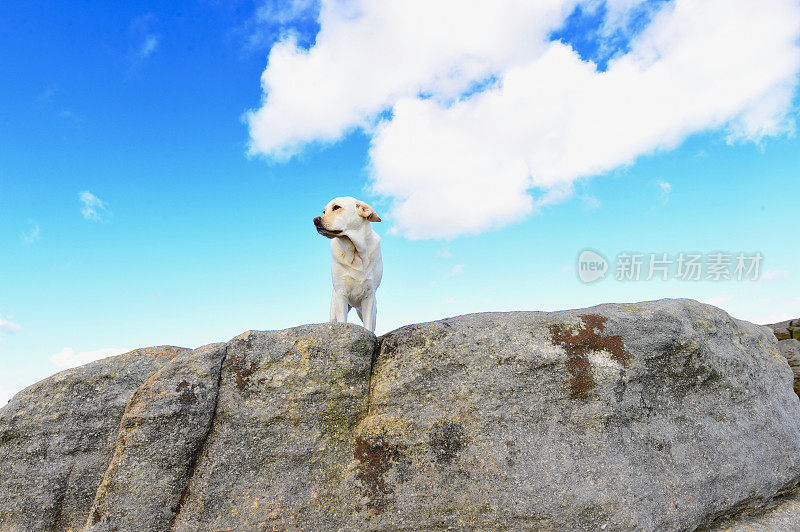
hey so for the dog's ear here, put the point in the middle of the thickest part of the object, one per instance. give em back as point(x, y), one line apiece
point(367, 212)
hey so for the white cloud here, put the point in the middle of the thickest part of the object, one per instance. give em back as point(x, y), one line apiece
point(68, 358)
point(621, 16)
point(148, 46)
point(8, 326)
point(665, 188)
point(444, 253)
point(455, 270)
point(619, 13)
point(144, 41)
point(458, 164)
point(31, 235)
point(283, 12)
point(275, 19)
point(93, 208)
point(369, 53)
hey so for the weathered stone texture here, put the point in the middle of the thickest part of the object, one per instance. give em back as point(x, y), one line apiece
point(280, 451)
point(164, 425)
point(663, 415)
point(57, 437)
point(655, 416)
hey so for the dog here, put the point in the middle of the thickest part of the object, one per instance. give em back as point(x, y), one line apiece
point(357, 266)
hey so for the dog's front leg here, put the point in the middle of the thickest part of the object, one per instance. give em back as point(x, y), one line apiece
point(369, 310)
point(339, 308)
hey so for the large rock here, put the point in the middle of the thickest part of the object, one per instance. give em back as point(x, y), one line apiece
point(164, 425)
point(790, 349)
point(279, 456)
point(666, 415)
point(57, 437)
point(786, 330)
point(655, 416)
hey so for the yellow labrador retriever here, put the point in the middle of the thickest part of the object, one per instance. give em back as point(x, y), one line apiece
point(357, 266)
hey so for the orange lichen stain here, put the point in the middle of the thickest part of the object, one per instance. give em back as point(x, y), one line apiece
point(242, 371)
point(375, 457)
point(578, 342)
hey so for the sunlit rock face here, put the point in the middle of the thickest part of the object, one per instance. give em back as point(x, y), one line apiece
point(663, 415)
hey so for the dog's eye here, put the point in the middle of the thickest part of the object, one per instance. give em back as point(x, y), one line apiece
point(335, 207)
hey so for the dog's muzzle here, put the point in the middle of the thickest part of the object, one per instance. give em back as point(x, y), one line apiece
point(330, 233)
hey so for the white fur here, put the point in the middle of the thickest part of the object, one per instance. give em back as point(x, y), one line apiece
point(357, 266)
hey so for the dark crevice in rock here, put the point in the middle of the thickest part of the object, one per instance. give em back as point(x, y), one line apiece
point(752, 507)
point(373, 456)
point(201, 447)
point(376, 351)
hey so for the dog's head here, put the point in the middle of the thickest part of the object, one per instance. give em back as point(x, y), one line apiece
point(342, 215)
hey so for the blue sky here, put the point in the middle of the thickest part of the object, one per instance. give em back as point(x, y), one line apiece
point(200, 225)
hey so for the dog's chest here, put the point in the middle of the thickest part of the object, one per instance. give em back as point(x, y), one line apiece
point(356, 274)
point(355, 283)
point(357, 288)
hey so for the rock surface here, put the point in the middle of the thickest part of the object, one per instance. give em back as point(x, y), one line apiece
point(164, 425)
point(280, 451)
point(790, 349)
point(786, 330)
point(665, 415)
point(57, 437)
point(624, 416)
